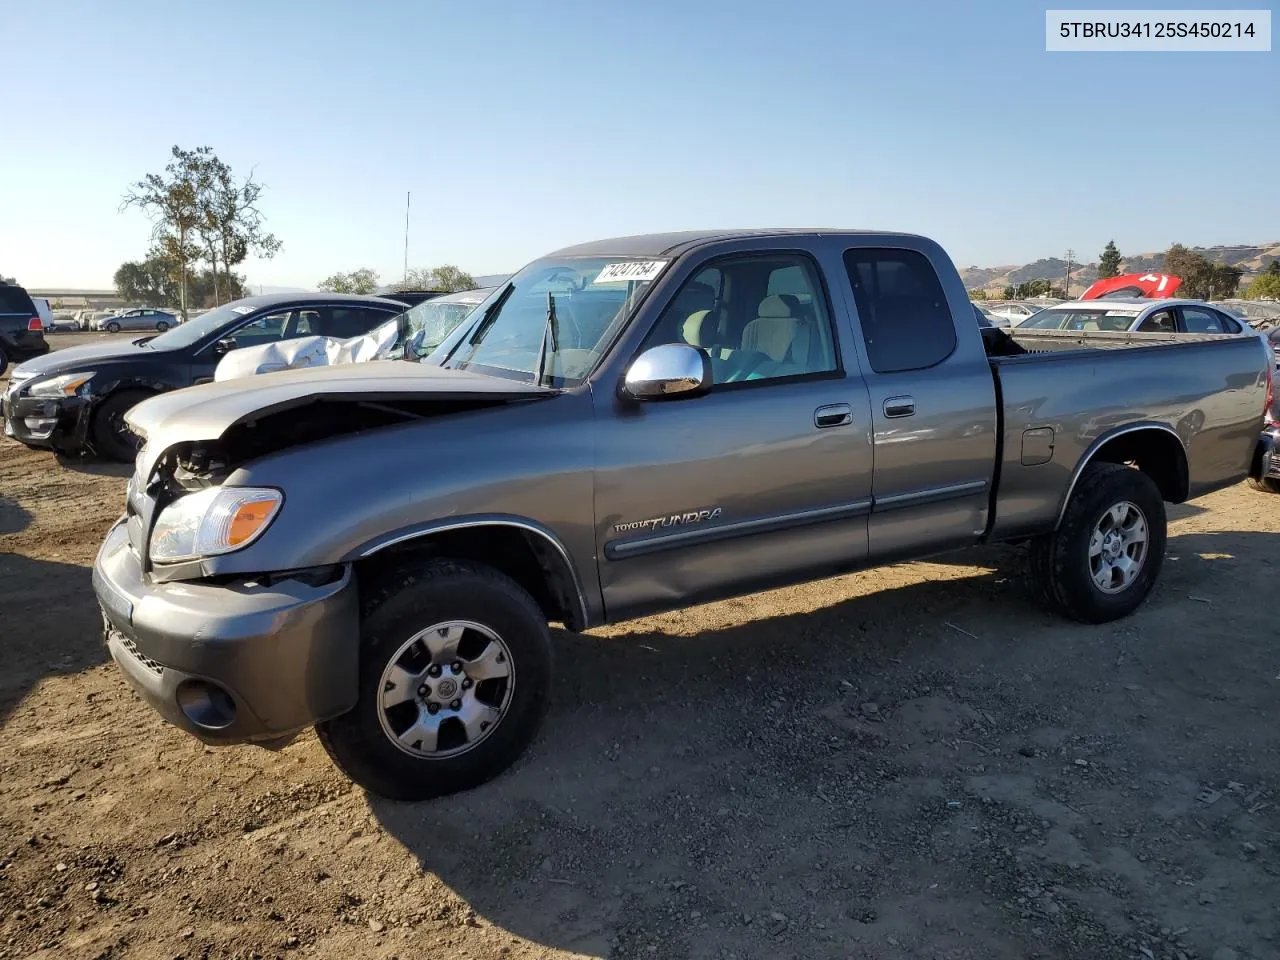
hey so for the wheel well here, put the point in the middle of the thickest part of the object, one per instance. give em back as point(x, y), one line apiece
point(526, 557)
point(1157, 453)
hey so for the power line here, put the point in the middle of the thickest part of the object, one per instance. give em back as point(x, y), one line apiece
point(1066, 283)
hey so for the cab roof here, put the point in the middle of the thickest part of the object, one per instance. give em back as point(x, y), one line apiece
point(676, 243)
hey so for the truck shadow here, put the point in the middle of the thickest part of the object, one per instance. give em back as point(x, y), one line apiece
point(49, 624)
point(14, 518)
point(693, 773)
point(94, 467)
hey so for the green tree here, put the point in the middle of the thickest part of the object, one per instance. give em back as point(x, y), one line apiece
point(1031, 288)
point(1202, 278)
point(200, 210)
point(171, 200)
point(147, 282)
point(1007, 293)
point(363, 280)
point(231, 225)
point(1266, 286)
point(9, 280)
point(1109, 262)
point(977, 294)
point(446, 277)
point(1273, 269)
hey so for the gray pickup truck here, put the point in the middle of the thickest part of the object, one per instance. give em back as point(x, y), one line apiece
point(630, 426)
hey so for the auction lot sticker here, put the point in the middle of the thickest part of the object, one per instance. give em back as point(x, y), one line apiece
point(1158, 31)
point(638, 270)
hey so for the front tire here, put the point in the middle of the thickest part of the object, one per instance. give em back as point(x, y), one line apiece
point(4, 360)
point(162, 325)
point(111, 436)
point(1262, 484)
point(1105, 556)
point(113, 328)
point(455, 666)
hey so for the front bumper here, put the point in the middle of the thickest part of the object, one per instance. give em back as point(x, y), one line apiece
point(1266, 461)
point(230, 663)
point(59, 423)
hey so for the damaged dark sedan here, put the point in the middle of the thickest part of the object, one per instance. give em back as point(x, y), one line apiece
point(74, 400)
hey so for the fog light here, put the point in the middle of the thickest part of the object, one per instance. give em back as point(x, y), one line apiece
point(206, 704)
point(40, 427)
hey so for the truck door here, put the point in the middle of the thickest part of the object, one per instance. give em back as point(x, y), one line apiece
point(761, 481)
point(933, 405)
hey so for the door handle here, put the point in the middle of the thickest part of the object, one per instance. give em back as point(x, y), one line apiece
point(900, 406)
point(833, 415)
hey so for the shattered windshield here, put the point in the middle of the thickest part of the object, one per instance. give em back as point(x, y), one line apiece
point(421, 329)
point(554, 319)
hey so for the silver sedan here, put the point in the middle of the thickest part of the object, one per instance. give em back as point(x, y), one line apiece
point(142, 318)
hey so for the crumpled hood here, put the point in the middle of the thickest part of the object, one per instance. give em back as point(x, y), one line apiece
point(206, 411)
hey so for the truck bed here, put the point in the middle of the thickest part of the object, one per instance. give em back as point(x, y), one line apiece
point(1060, 392)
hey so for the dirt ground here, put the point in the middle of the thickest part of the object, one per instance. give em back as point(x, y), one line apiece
point(910, 762)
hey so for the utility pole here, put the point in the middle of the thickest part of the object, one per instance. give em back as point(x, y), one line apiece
point(406, 236)
point(1066, 284)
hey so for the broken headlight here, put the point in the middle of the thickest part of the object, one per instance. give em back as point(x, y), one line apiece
point(213, 521)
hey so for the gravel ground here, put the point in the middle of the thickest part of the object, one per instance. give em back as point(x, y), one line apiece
point(910, 762)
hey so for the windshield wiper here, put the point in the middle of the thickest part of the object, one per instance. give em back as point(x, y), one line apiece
point(549, 332)
point(477, 334)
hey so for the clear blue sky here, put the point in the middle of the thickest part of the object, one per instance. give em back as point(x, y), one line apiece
point(520, 127)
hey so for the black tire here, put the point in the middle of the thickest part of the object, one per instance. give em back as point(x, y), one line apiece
point(444, 590)
point(162, 325)
point(1263, 485)
point(1060, 561)
point(4, 360)
point(113, 327)
point(108, 433)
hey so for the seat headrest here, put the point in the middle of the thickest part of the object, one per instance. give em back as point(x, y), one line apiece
point(773, 306)
point(699, 330)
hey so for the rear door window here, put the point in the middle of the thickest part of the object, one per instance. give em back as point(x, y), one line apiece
point(344, 322)
point(15, 300)
point(905, 320)
point(1161, 321)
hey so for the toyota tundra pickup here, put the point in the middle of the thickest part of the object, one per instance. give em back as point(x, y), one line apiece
point(624, 427)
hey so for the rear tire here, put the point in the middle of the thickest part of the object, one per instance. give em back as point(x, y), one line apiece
point(113, 328)
point(111, 438)
point(406, 629)
point(1105, 556)
point(4, 360)
point(1263, 484)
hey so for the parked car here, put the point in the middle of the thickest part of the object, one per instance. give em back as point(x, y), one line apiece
point(21, 331)
point(629, 426)
point(75, 399)
point(411, 298)
point(1014, 312)
point(989, 319)
point(411, 336)
point(1135, 315)
point(97, 317)
point(138, 318)
point(62, 322)
point(44, 311)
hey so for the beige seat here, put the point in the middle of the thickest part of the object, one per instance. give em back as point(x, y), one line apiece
point(699, 330)
point(781, 336)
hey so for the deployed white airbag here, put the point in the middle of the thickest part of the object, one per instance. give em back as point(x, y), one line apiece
point(303, 352)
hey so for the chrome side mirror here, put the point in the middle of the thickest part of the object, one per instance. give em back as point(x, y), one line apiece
point(668, 370)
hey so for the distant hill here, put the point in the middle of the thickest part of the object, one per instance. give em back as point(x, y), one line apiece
point(1250, 259)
